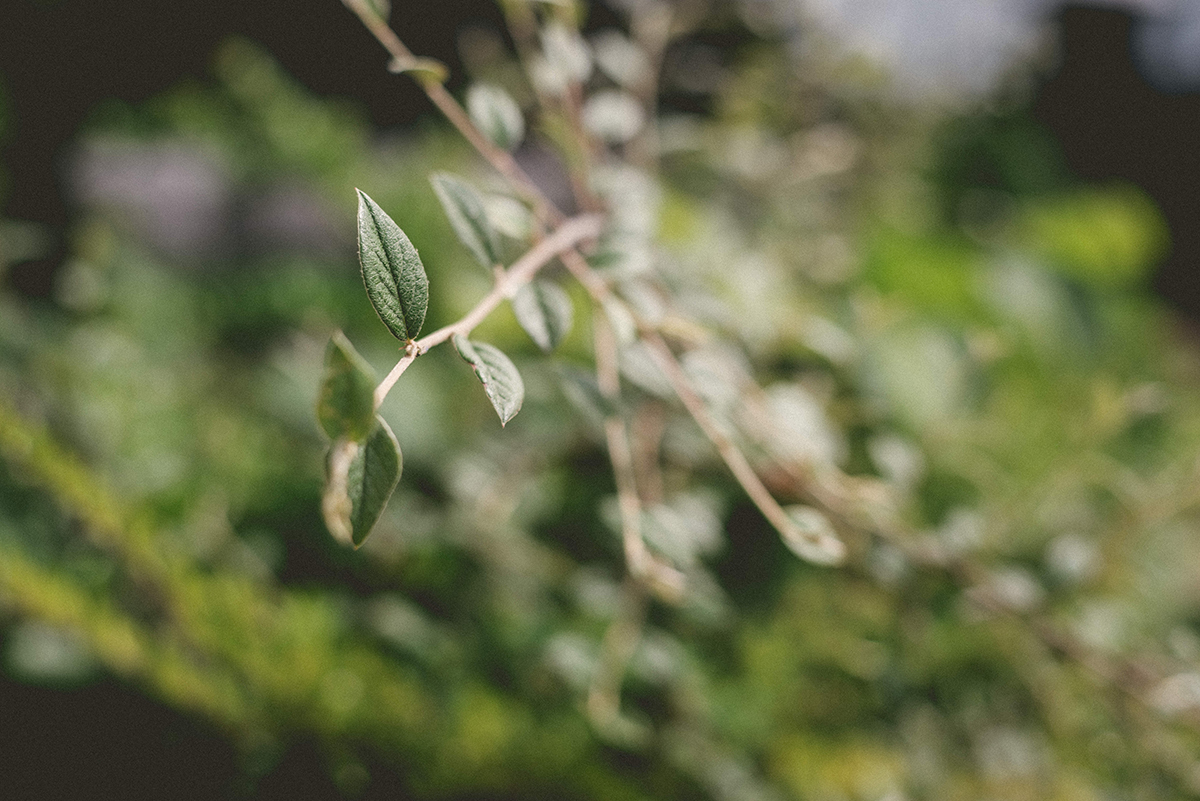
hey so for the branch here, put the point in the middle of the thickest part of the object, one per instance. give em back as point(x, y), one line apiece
point(667, 582)
point(499, 158)
point(568, 235)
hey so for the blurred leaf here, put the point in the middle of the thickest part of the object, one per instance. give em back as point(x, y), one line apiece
point(544, 310)
point(464, 208)
point(346, 405)
point(392, 271)
point(496, 114)
point(812, 537)
point(1102, 237)
point(614, 116)
point(934, 273)
point(423, 70)
point(361, 479)
point(499, 376)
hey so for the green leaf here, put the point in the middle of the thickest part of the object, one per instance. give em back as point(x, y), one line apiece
point(544, 310)
point(496, 114)
point(464, 208)
point(392, 271)
point(346, 404)
point(497, 373)
point(360, 480)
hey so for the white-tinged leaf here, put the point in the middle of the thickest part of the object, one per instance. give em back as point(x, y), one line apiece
point(812, 537)
point(639, 368)
point(620, 58)
point(464, 208)
point(496, 114)
point(499, 376)
point(392, 271)
point(360, 480)
point(613, 116)
point(509, 217)
point(567, 52)
point(545, 311)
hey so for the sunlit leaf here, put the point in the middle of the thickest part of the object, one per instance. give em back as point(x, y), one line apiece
point(465, 210)
point(496, 114)
point(424, 70)
point(346, 404)
point(360, 480)
point(392, 271)
point(497, 373)
point(544, 310)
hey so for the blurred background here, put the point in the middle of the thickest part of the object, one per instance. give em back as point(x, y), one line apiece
point(1000, 195)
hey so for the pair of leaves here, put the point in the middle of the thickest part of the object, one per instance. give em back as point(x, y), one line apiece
point(364, 462)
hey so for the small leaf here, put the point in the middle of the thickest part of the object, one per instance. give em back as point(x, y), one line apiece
point(544, 310)
point(496, 114)
point(361, 479)
point(614, 116)
point(499, 376)
point(392, 271)
point(811, 536)
point(424, 70)
point(464, 207)
point(346, 405)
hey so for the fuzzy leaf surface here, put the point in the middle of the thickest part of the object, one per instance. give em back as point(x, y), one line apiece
point(346, 403)
point(499, 376)
point(392, 271)
point(464, 208)
point(545, 311)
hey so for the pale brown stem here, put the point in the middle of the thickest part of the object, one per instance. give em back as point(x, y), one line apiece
point(499, 158)
point(567, 236)
point(667, 582)
point(616, 650)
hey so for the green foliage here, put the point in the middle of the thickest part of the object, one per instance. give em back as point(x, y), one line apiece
point(990, 423)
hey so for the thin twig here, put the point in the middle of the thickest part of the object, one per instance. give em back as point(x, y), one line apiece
point(667, 582)
point(498, 157)
point(567, 236)
point(616, 650)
